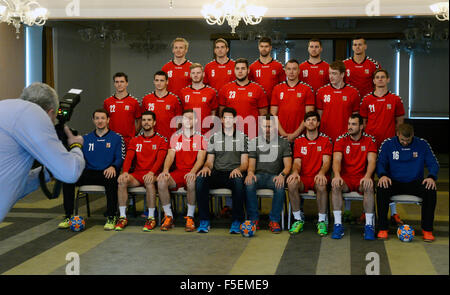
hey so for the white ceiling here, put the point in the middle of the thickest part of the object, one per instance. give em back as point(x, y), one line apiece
point(159, 9)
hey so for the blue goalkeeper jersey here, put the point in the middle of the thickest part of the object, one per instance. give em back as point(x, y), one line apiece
point(102, 152)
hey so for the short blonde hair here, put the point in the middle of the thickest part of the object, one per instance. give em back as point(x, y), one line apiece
point(179, 39)
point(221, 40)
point(195, 65)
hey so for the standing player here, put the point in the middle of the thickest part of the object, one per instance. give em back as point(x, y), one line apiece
point(178, 68)
point(220, 71)
point(164, 104)
point(123, 109)
point(188, 152)
point(266, 71)
point(360, 68)
point(354, 161)
point(310, 171)
point(314, 71)
point(148, 152)
point(246, 97)
point(290, 101)
point(199, 97)
point(336, 101)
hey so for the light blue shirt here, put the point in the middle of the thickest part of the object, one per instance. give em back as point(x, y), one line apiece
point(27, 133)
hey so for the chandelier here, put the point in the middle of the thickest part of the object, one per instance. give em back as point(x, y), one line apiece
point(232, 11)
point(25, 12)
point(440, 9)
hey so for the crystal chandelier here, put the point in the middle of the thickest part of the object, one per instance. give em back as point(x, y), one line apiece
point(440, 9)
point(232, 11)
point(25, 12)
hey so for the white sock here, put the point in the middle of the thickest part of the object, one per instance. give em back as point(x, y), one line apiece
point(393, 208)
point(191, 210)
point(167, 210)
point(123, 210)
point(348, 205)
point(337, 217)
point(151, 212)
point(369, 218)
point(297, 215)
point(322, 217)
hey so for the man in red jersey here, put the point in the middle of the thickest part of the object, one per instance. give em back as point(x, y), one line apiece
point(266, 71)
point(312, 162)
point(314, 71)
point(383, 112)
point(123, 109)
point(188, 151)
point(354, 161)
point(220, 71)
point(166, 105)
point(336, 101)
point(148, 152)
point(178, 68)
point(290, 101)
point(200, 97)
point(360, 68)
point(246, 97)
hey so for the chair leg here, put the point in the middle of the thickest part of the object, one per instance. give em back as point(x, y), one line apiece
point(87, 206)
point(77, 197)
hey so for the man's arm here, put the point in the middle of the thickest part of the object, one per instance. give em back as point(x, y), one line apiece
point(201, 156)
point(169, 160)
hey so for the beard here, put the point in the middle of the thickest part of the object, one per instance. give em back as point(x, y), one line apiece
point(242, 79)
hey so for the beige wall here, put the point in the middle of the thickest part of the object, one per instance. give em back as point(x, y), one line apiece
point(12, 62)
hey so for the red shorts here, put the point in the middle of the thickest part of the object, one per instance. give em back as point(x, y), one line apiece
point(178, 177)
point(308, 183)
point(139, 175)
point(353, 182)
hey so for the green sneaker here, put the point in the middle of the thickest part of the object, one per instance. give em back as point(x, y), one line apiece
point(110, 223)
point(64, 224)
point(322, 228)
point(296, 227)
point(347, 216)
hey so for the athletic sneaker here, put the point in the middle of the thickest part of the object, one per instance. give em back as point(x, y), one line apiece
point(428, 236)
point(274, 227)
point(150, 224)
point(369, 232)
point(121, 223)
point(110, 223)
point(322, 228)
point(203, 227)
point(296, 227)
point(65, 223)
point(235, 227)
point(167, 223)
point(338, 231)
point(190, 224)
point(395, 220)
point(347, 216)
point(382, 234)
point(256, 222)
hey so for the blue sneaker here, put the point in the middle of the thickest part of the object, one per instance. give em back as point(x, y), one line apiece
point(203, 227)
point(369, 232)
point(338, 231)
point(235, 227)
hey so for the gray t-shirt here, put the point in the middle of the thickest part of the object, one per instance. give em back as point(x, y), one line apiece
point(269, 156)
point(227, 150)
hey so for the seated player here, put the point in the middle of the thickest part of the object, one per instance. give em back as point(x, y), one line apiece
point(270, 160)
point(188, 151)
point(354, 161)
point(148, 152)
point(104, 151)
point(312, 161)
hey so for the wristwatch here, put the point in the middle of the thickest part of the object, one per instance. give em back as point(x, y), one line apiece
point(282, 174)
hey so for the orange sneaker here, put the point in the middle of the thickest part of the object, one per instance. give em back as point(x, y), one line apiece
point(150, 224)
point(190, 224)
point(167, 223)
point(427, 236)
point(121, 223)
point(395, 220)
point(382, 235)
point(362, 218)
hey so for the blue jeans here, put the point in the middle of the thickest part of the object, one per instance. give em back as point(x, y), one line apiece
point(264, 181)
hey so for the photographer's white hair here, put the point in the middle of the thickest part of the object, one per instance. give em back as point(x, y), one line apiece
point(42, 95)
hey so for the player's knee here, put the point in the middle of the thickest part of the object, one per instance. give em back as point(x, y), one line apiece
point(163, 184)
point(321, 188)
point(293, 185)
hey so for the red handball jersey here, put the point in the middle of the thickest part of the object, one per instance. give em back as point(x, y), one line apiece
point(267, 75)
point(148, 152)
point(166, 108)
point(311, 153)
point(315, 75)
point(246, 100)
point(186, 149)
point(380, 113)
point(291, 102)
point(360, 75)
point(337, 106)
point(217, 75)
point(203, 101)
point(179, 76)
point(354, 154)
point(123, 114)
